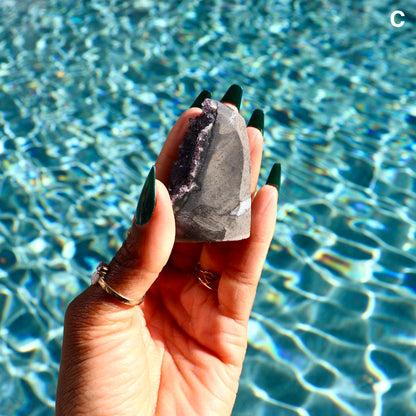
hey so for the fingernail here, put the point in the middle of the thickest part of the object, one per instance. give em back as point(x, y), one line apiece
point(147, 199)
point(257, 120)
point(274, 176)
point(233, 95)
point(200, 99)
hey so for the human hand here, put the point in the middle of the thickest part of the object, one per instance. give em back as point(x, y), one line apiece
point(181, 351)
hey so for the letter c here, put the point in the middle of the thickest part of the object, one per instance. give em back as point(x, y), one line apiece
point(393, 15)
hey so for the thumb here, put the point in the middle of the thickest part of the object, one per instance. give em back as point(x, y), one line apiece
point(143, 254)
point(148, 245)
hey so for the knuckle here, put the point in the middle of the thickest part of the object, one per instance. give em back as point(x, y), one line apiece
point(242, 276)
point(126, 257)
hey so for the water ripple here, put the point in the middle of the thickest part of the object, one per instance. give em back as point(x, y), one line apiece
point(88, 93)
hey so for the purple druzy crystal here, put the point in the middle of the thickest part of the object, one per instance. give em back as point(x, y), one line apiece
point(191, 152)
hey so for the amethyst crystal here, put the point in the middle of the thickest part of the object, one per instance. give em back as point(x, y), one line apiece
point(210, 180)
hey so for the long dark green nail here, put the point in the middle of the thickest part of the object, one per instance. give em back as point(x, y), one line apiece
point(200, 99)
point(233, 95)
point(147, 199)
point(257, 120)
point(274, 176)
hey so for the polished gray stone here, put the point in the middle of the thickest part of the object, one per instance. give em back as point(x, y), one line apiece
point(210, 180)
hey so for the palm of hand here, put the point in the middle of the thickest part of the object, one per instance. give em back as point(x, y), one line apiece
point(203, 347)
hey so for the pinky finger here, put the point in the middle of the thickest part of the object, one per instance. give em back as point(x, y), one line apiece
point(239, 280)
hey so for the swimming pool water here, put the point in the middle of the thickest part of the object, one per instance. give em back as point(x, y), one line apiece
point(88, 92)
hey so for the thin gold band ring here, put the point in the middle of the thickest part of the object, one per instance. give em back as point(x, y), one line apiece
point(99, 276)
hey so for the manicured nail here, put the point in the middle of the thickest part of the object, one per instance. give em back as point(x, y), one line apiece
point(233, 95)
point(257, 120)
point(274, 176)
point(147, 199)
point(200, 99)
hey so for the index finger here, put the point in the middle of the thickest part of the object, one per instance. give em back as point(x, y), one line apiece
point(169, 150)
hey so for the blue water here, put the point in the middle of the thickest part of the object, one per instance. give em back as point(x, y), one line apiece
point(88, 92)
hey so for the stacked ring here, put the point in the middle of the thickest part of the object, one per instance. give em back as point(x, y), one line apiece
point(208, 279)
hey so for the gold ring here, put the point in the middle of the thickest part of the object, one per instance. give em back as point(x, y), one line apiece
point(99, 277)
point(207, 278)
